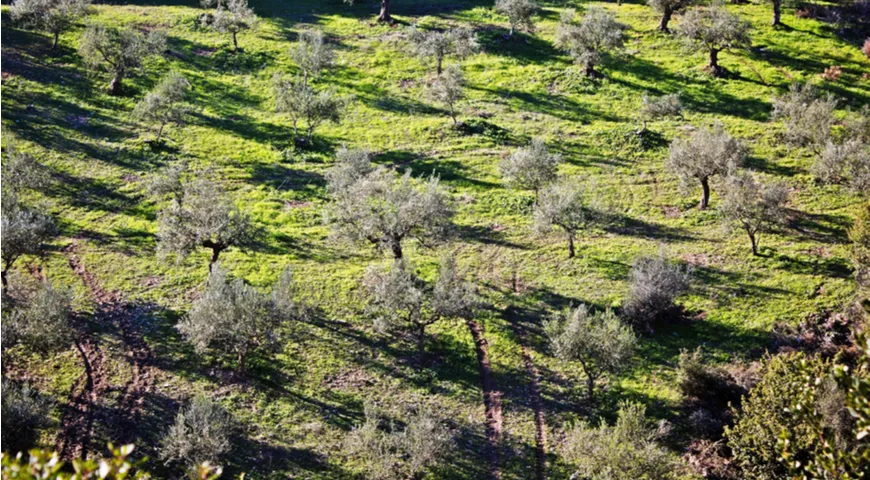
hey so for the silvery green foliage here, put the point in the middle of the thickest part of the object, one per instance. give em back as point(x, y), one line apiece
point(401, 301)
point(754, 207)
point(297, 98)
point(351, 165)
point(37, 315)
point(460, 42)
point(707, 153)
point(659, 107)
point(20, 171)
point(519, 13)
point(233, 18)
point(25, 232)
point(120, 51)
point(311, 53)
point(165, 104)
point(234, 318)
point(52, 16)
point(385, 209)
point(585, 40)
point(807, 117)
point(390, 450)
point(447, 89)
point(713, 29)
point(564, 205)
point(23, 413)
point(600, 342)
point(530, 168)
point(628, 450)
point(169, 182)
point(654, 284)
point(201, 433)
point(205, 216)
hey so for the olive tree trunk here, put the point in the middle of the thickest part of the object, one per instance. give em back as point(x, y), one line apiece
point(384, 16)
point(705, 193)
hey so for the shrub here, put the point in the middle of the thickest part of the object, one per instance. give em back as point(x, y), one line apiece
point(654, 285)
point(832, 73)
point(600, 342)
point(530, 168)
point(24, 412)
point(120, 51)
point(201, 433)
point(38, 317)
point(596, 33)
point(754, 207)
point(628, 450)
point(20, 171)
point(519, 13)
point(660, 107)
point(807, 117)
point(707, 153)
point(848, 161)
point(52, 16)
point(25, 232)
point(714, 29)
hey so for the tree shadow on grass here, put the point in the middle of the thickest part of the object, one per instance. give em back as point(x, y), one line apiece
point(820, 227)
point(521, 47)
point(635, 227)
point(274, 175)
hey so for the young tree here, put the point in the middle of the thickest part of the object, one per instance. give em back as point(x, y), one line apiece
point(302, 102)
point(37, 315)
point(25, 232)
point(385, 209)
point(707, 153)
point(654, 285)
point(201, 433)
point(233, 18)
point(597, 32)
point(808, 118)
point(668, 8)
point(165, 103)
point(530, 168)
point(23, 413)
point(120, 51)
point(312, 54)
point(232, 317)
point(460, 42)
point(351, 165)
point(653, 108)
point(564, 205)
point(401, 301)
point(52, 16)
point(403, 450)
point(629, 450)
point(519, 13)
point(599, 341)
point(755, 207)
point(205, 216)
point(714, 29)
point(446, 89)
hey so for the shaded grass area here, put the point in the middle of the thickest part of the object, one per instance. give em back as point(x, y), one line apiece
point(298, 404)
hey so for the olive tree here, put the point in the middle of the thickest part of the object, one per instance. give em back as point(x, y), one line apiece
point(51, 16)
point(652, 108)
point(596, 32)
point(20, 171)
point(755, 207)
point(807, 117)
point(712, 30)
point(402, 450)
point(530, 168)
point(233, 18)
point(231, 317)
point(385, 209)
point(312, 54)
point(436, 45)
point(38, 316)
point(519, 13)
point(120, 51)
point(654, 284)
point(25, 232)
point(402, 302)
point(23, 411)
point(298, 99)
point(600, 342)
point(447, 89)
point(351, 165)
point(707, 153)
point(200, 433)
point(384, 15)
point(848, 162)
point(667, 8)
point(564, 205)
point(204, 216)
point(165, 104)
point(628, 450)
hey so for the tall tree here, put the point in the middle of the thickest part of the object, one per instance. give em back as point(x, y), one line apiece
point(596, 33)
point(52, 16)
point(531, 168)
point(165, 104)
point(120, 51)
point(707, 153)
point(714, 29)
point(755, 207)
point(668, 8)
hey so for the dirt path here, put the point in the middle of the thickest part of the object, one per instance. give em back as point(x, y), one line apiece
point(113, 310)
point(491, 399)
point(77, 420)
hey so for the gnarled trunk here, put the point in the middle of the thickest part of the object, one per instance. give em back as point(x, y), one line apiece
point(570, 245)
point(384, 16)
point(235, 42)
point(396, 248)
point(705, 193)
point(115, 84)
point(713, 66)
point(777, 13)
point(666, 18)
point(753, 240)
point(56, 39)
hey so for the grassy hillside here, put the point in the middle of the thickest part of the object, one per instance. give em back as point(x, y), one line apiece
point(296, 406)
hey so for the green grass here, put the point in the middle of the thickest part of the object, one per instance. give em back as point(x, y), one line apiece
point(300, 403)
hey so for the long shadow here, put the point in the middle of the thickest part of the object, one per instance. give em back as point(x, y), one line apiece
point(820, 227)
point(558, 106)
point(487, 235)
point(267, 460)
point(448, 170)
point(769, 166)
point(521, 47)
point(282, 178)
point(635, 227)
point(94, 194)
